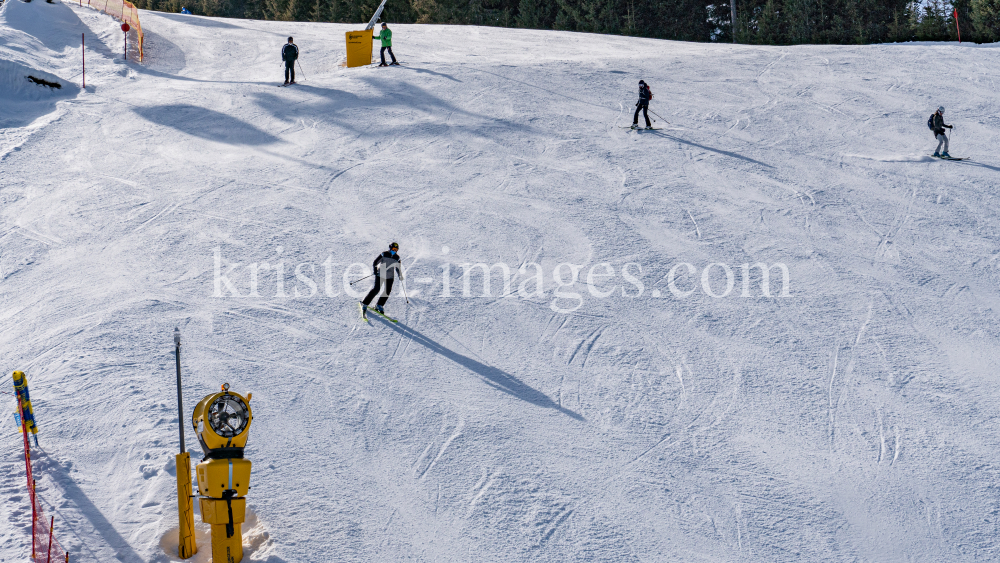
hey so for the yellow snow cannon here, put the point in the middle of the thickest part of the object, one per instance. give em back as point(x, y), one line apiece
point(222, 423)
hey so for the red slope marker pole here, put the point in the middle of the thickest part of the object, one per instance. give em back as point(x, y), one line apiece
point(125, 28)
point(34, 518)
point(956, 26)
point(48, 555)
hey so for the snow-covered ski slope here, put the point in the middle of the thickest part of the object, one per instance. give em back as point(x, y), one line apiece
point(855, 419)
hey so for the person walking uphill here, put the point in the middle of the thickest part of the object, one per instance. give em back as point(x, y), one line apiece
point(643, 104)
point(289, 54)
point(936, 124)
point(386, 266)
point(386, 36)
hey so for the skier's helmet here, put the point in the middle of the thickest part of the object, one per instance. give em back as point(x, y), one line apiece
point(393, 246)
point(642, 82)
point(941, 110)
point(384, 24)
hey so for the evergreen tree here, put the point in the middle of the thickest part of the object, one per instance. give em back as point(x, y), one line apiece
point(933, 21)
point(985, 15)
point(536, 14)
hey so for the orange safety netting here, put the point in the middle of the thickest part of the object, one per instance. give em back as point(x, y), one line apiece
point(45, 548)
point(122, 11)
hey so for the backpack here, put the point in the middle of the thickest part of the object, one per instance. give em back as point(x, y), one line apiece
point(930, 122)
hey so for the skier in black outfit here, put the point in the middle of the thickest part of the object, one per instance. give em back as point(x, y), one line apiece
point(289, 54)
point(643, 104)
point(937, 125)
point(385, 266)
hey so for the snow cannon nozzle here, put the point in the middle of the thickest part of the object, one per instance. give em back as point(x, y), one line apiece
point(177, 336)
point(225, 387)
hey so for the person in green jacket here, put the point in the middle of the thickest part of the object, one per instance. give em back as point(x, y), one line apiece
point(386, 36)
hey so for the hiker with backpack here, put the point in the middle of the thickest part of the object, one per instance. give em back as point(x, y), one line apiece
point(936, 124)
point(643, 104)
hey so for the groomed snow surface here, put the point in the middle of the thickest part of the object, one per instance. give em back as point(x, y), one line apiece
point(852, 419)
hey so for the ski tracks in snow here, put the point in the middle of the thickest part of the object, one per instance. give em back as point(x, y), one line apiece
point(424, 463)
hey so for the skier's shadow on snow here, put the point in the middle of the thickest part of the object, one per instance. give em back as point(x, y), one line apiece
point(981, 165)
point(496, 378)
point(718, 151)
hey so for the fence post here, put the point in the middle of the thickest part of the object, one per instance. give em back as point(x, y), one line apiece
point(27, 470)
point(48, 556)
point(34, 518)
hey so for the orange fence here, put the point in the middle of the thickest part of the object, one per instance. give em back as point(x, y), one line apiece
point(124, 12)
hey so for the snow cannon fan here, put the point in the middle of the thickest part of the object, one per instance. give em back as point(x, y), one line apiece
point(222, 423)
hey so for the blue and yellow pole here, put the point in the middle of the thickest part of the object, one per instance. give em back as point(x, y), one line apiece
point(24, 399)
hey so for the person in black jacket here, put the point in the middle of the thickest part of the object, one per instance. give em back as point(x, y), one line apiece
point(385, 267)
point(938, 126)
point(289, 54)
point(643, 104)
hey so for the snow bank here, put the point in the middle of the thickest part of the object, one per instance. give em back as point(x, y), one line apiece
point(32, 35)
point(16, 84)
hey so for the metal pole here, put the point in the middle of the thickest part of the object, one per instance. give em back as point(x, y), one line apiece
point(186, 545)
point(378, 13)
point(126, 45)
point(180, 398)
point(362, 279)
point(83, 54)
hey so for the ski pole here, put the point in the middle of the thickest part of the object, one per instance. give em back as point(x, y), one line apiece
point(362, 279)
point(658, 115)
point(403, 287)
point(300, 69)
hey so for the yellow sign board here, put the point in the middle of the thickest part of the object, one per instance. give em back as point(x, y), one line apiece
point(359, 48)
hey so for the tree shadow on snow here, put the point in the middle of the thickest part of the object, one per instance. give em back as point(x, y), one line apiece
point(496, 378)
point(160, 74)
point(123, 551)
point(206, 124)
point(201, 21)
point(329, 102)
point(703, 147)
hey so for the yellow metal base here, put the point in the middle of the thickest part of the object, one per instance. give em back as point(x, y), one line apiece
point(186, 546)
point(227, 550)
point(216, 512)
